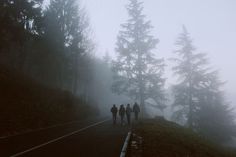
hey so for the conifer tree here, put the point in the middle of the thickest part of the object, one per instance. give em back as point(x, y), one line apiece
point(215, 116)
point(198, 97)
point(190, 68)
point(138, 73)
point(68, 45)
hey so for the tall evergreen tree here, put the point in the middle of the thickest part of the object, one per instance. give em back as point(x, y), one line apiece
point(18, 28)
point(65, 35)
point(138, 73)
point(215, 116)
point(198, 98)
point(191, 69)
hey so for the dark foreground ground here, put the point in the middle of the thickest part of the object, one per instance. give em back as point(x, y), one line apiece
point(88, 138)
point(161, 138)
point(102, 140)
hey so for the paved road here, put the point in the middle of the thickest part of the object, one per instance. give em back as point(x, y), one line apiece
point(87, 140)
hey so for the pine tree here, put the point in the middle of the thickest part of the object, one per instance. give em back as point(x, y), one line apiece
point(58, 20)
point(191, 69)
point(138, 73)
point(215, 116)
point(198, 98)
point(68, 45)
point(18, 28)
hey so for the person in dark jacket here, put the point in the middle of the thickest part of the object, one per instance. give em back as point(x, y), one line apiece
point(136, 110)
point(128, 113)
point(114, 111)
point(122, 113)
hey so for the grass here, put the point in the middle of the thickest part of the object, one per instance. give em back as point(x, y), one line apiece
point(162, 138)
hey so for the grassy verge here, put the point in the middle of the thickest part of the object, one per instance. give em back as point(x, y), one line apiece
point(162, 138)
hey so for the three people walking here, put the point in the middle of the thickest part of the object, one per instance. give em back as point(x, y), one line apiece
point(125, 111)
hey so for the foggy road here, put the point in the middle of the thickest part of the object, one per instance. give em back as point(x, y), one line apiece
point(96, 138)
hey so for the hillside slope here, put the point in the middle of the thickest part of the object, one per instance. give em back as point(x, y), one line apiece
point(161, 138)
point(26, 104)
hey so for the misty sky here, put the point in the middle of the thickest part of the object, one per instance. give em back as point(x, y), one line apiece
point(211, 23)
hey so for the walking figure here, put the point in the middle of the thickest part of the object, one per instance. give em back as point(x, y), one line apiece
point(114, 111)
point(136, 110)
point(128, 113)
point(122, 113)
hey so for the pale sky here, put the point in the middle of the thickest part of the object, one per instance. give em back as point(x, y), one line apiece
point(211, 23)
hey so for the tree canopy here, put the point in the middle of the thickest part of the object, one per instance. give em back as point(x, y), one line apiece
point(138, 73)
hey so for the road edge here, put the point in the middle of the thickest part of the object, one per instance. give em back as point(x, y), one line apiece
point(126, 143)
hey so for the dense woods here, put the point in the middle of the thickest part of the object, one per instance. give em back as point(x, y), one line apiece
point(46, 56)
point(47, 50)
point(51, 45)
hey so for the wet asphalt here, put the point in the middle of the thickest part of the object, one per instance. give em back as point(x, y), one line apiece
point(102, 140)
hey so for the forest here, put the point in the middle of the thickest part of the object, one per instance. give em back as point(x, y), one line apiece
point(49, 72)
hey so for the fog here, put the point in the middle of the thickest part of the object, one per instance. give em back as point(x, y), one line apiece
point(210, 22)
point(63, 61)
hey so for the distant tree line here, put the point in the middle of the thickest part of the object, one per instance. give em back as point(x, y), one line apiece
point(51, 45)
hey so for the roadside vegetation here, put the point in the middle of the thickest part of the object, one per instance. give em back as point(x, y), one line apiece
point(165, 139)
point(26, 104)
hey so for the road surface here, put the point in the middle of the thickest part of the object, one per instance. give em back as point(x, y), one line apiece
point(82, 139)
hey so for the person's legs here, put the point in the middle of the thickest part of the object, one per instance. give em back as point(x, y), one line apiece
point(128, 119)
point(136, 116)
point(122, 121)
point(115, 118)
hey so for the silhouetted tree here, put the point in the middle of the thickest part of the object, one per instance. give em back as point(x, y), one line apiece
point(51, 45)
point(67, 44)
point(215, 116)
point(190, 68)
point(18, 29)
point(198, 98)
point(138, 71)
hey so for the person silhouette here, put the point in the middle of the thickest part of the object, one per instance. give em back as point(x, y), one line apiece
point(122, 113)
point(114, 111)
point(128, 113)
point(136, 110)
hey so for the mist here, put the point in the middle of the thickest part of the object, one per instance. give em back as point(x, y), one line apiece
point(125, 67)
point(209, 22)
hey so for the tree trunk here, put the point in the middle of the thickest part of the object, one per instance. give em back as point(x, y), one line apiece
point(190, 117)
point(142, 105)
